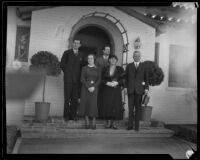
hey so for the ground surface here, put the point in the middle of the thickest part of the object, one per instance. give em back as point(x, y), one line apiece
point(12, 135)
point(104, 145)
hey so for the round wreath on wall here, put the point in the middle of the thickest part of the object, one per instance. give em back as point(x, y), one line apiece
point(156, 75)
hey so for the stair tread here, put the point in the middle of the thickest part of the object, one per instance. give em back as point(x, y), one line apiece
point(99, 130)
point(78, 132)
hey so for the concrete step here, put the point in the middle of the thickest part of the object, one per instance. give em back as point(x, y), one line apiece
point(76, 133)
point(57, 122)
point(187, 131)
point(56, 127)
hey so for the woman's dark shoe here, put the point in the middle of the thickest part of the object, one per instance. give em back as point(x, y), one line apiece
point(130, 128)
point(87, 126)
point(114, 127)
point(108, 126)
point(94, 126)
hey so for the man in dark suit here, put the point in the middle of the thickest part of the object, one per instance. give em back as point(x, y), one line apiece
point(71, 64)
point(137, 85)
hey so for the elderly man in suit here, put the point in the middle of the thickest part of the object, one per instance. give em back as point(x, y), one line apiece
point(137, 85)
point(71, 65)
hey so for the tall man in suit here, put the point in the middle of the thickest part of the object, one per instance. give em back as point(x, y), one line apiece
point(102, 61)
point(137, 85)
point(71, 64)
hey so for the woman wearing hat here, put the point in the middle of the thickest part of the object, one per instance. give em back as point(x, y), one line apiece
point(112, 80)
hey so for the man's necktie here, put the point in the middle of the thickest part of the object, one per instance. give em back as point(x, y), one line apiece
point(76, 52)
point(136, 65)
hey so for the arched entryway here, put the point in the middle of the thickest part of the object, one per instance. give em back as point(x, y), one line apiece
point(96, 32)
point(93, 40)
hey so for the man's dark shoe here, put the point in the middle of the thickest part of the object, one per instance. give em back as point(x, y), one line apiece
point(94, 126)
point(66, 119)
point(87, 126)
point(136, 129)
point(108, 126)
point(130, 128)
point(114, 127)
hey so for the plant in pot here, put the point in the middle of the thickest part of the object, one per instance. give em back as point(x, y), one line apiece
point(155, 76)
point(49, 65)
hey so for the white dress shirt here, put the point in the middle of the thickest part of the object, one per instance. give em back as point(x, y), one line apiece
point(136, 64)
point(75, 51)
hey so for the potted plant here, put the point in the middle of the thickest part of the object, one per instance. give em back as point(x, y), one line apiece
point(155, 76)
point(48, 63)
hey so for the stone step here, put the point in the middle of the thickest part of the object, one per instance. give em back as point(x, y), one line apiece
point(57, 122)
point(187, 132)
point(78, 133)
point(56, 127)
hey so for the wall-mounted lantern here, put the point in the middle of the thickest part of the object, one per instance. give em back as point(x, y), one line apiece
point(137, 43)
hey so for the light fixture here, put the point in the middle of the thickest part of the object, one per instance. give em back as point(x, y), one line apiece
point(153, 16)
point(161, 17)
point(137, 43)
point(178, 20)
point(174, 4)
point(186, 5)
point(193, 19)
point(170, 18)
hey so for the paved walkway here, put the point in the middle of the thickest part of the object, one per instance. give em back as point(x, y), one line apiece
point(104, 145)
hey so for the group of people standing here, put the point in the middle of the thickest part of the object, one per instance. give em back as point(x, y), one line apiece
point(98, 85)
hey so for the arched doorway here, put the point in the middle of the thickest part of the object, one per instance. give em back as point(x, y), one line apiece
point(93, 39)
point(112, 32)
point(102, 31)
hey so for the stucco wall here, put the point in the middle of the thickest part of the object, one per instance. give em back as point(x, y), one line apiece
point(12, 22)
point(169, 104)
point(45, 36)
point(174, 105)
point(13, 107)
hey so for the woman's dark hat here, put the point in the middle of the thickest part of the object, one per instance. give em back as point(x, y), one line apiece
point(113, 56)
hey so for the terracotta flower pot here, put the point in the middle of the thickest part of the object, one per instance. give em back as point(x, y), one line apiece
point(15, 112)
point(42, 111)
point(146, 112)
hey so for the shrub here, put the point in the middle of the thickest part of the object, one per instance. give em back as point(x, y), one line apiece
point(156, 75)
point(47, 62)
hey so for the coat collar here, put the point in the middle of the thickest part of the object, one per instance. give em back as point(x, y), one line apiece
point(133, 64)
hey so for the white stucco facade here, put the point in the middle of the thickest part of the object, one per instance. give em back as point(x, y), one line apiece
point(50, 31)
point(45, 25)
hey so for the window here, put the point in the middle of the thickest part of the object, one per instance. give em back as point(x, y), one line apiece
point(22, 43)
point(182, 67)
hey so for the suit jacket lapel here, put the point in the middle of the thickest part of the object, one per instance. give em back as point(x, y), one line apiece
point(133, 67)
point(138, 66)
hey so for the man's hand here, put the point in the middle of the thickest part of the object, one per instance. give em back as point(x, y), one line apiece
point(109, 84)
point(125, 91)
point(114, 83)
point(91, 89)
point(146, 91)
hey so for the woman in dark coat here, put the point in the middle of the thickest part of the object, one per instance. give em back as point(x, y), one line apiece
point(90, 78)
point(112, 80)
